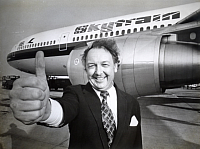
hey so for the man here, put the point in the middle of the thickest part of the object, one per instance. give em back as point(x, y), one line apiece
point(95, 120)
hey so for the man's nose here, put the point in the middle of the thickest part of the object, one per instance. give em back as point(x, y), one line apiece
point(98, 70)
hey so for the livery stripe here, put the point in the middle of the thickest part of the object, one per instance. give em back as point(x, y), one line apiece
point(30, 53)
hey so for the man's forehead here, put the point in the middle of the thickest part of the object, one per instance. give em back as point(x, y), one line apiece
point(98, 53)
point(92, 62)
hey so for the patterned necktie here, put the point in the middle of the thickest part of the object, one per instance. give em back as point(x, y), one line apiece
point(107, 118)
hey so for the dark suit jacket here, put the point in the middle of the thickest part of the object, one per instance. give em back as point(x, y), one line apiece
point(82, 112)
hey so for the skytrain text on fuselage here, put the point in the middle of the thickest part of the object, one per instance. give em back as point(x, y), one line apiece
point(107, 27)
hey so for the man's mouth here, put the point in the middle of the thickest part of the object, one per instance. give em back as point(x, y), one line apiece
point(99, 79)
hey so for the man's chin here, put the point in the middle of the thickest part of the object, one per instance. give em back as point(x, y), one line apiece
point(98, 85)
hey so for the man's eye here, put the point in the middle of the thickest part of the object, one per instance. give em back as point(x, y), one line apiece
point(90, 66)
point(105, 65)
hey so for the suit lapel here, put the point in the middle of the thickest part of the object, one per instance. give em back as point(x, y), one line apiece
point(121, 116)
point(95, 108)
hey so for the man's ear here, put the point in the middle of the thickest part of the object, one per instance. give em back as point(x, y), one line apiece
point(85, 69)
point(117, 64)
point(116, 67)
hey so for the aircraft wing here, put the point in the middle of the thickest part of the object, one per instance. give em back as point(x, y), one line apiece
point(195, 16)
point(185, 31)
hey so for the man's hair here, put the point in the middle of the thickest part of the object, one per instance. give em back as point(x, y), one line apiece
point(107, 44)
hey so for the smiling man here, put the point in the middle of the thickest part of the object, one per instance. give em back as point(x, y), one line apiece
point(100, 116)
point(101, 62)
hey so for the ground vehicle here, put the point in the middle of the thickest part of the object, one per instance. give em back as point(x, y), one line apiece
point(56, 82)
point(193, 86)
point(7, 81)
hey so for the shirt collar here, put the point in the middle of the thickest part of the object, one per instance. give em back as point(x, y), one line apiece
point(110, 90)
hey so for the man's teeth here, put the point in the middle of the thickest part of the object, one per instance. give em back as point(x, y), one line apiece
point(100, 78)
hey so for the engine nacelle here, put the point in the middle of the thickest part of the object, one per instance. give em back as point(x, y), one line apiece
point(75, 69)
point(139, 71)
point(148, 65)
point(179, 64)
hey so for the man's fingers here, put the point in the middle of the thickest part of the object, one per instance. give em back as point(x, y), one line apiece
point(32, 82)
point(40, 65)
point(28, 93)
point(29, 117)
point(27, 105)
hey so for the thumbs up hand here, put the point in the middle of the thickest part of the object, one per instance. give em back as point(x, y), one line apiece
point(30, 96)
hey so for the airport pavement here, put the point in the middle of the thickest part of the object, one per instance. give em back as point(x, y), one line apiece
point(169, 121)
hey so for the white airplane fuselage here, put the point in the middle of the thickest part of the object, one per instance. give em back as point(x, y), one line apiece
point(143, 38)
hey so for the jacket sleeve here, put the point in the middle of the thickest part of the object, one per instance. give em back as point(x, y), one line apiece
point(70, 104)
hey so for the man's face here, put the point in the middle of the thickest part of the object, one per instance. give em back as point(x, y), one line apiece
point(100, 68)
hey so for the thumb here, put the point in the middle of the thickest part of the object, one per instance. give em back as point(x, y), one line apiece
point(40, 65)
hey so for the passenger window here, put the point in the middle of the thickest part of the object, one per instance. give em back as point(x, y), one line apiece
point(106, 34)
point(117, 32)
point(155, 27)
point(111, 33)
point(86, 37)
point(148, 27)
point(123, 32)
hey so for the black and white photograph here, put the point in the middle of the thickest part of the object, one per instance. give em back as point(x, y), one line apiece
point(100, 74)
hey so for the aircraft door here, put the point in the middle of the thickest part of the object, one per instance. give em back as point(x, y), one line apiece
point(63, 42)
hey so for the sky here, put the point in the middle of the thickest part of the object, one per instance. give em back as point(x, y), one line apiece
point(21, 18)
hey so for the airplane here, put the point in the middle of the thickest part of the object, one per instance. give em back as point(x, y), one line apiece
point(159, 49)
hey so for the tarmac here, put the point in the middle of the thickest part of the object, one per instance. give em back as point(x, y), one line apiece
point(169, 121)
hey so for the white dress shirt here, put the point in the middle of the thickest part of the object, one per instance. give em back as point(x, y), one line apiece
point(56, 115)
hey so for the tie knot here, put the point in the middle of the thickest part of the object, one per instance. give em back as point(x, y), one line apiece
point(104, 94)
